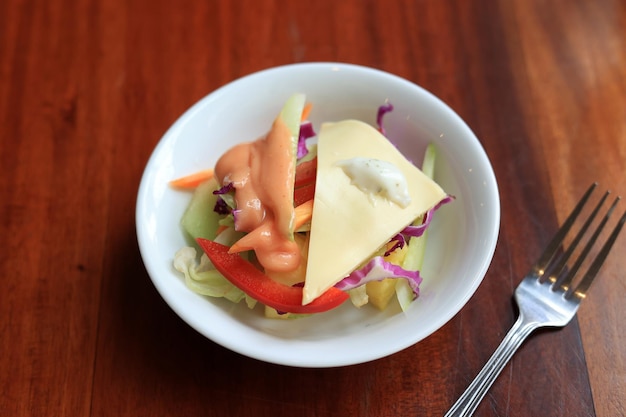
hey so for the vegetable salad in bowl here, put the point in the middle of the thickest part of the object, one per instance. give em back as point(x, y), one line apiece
point(307, 239)
point(301, 221)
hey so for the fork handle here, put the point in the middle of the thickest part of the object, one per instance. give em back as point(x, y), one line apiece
point(473, 395)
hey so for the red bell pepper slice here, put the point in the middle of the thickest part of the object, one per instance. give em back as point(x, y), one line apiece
point(262, 288)
point(303, 194)
point(306, 172)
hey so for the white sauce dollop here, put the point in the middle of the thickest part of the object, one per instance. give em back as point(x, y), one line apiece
point(377, 177)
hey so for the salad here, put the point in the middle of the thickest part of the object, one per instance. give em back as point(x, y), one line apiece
point(302, 220)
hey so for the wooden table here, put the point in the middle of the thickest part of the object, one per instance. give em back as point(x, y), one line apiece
point(88, 88)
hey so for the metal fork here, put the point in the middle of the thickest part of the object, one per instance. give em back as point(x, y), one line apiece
point(546, 297)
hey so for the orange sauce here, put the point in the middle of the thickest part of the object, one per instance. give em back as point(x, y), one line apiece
point(262, 173)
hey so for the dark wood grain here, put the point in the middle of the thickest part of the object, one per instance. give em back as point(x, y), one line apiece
point(88, 88)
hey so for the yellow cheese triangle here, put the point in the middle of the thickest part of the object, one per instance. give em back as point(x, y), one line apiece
point(348, 224)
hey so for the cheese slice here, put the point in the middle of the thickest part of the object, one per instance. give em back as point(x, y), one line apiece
point(348, 224)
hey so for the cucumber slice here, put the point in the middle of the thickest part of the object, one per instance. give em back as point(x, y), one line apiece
point(291, 115)
point(199, 219)
point(414, 258)
point(428, 165)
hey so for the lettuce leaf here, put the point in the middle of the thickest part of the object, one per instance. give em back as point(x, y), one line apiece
point(204, 279)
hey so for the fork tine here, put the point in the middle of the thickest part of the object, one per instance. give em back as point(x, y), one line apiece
point(540, 267)
point(585, 283)
point(557, 274)
point(566, 280)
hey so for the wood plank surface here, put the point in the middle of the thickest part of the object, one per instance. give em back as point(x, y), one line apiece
point(88, 88)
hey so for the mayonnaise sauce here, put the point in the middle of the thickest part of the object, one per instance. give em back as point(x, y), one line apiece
point(262, 173)
point(377, 177)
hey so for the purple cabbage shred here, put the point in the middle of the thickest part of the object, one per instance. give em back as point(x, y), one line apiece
point(225, 189)
point(399, 242)
point(306, 132)
point(378, 269)
point(382, 111)
point(417, 231)
point(221, 207)
point(235, 215)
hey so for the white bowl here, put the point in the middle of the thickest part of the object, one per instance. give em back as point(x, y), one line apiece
point(461, 242)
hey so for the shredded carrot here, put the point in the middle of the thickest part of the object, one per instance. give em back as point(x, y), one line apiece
point(306, 111)
point(192, 180)
point(303, 214)
point(243, 244)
